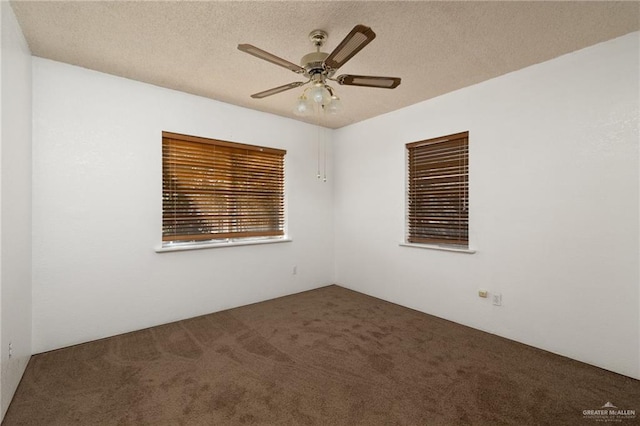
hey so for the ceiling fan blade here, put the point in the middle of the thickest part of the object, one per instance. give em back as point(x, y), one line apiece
point(279, 89)
point(357, 39)
point(368, 81)
point(259, 53)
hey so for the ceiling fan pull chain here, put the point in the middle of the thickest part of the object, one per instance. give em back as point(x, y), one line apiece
point(324, 149)
point(323, 142)
point(317, 136)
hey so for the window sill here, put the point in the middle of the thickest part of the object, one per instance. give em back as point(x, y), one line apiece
point(436, 247)
point(184, 247)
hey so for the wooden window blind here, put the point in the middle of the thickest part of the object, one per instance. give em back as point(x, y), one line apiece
point(438, 191)
point(214, 189)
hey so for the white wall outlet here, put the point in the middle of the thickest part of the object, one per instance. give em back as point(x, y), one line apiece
point(497, 299)
point(10, 350)
point(482, 293)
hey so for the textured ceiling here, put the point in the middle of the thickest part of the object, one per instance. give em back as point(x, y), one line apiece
point(436, 47)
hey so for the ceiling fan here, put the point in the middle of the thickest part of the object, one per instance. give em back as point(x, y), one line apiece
point(318, 67)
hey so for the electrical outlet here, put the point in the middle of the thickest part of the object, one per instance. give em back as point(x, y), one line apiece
point(10, 350)
point(497, 299)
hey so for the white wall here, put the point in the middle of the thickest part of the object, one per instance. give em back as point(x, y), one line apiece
point(15, 205)
point(554, 207)
point(97, 195)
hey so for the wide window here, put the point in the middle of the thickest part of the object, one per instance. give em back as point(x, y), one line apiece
point(217, 190)
point(438, 191)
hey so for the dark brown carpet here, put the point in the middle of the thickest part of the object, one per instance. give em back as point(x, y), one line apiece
point(329, 357)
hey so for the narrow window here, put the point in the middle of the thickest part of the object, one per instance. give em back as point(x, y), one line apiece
point(438, 191)
point(217, 190)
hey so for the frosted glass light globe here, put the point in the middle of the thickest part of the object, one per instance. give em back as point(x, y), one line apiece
point(335, 105)
point(303, 107)
point(319, 94)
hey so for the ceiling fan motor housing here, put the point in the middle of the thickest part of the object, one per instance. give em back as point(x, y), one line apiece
point(313, 63)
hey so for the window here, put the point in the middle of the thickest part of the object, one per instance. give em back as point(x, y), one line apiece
point(438, 191)
point(215, 190)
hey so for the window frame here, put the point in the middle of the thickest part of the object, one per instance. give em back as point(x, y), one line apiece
point(453, 176)
point(237, 184)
